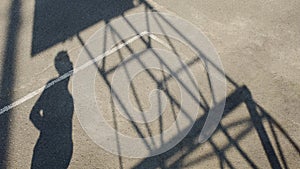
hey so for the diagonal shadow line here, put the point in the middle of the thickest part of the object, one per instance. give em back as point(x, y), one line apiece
point(221, 155)
point(104, 76)
point(135, 95)
point(112, 104)
point(205, 62)
point(182, 65)
point(8, 75)
point(117, 136)
point(277, 125)
point(161, 118)
point(264, 138)
point(148, 26)
point(238, 147)
point(278, 145)
point(104, 47)
point(159, 87)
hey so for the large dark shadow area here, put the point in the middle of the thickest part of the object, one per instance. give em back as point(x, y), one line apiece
point(57, 20)
point(52, 116)
point(7, 79)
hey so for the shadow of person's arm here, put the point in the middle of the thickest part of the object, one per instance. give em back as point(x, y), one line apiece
point(35, 115)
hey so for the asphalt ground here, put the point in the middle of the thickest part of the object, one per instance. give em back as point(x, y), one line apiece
point(258, 44)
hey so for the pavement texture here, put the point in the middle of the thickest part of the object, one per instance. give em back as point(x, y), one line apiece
point(257, 41)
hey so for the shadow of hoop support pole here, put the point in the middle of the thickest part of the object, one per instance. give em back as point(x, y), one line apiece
point(245, 96)
point(258, 125)
point(7, 79)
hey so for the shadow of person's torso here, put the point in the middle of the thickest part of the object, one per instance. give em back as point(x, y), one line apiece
point(52, 115)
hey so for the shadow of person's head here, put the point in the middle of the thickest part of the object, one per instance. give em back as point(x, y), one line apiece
point(63, 63)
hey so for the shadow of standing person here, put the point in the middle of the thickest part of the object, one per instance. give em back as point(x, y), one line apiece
point(52, 116)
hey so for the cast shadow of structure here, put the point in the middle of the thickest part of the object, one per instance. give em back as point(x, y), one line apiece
point(52, 116)
point(7, 79)
point(57, 20)
point(241, 95)
point(274, 152)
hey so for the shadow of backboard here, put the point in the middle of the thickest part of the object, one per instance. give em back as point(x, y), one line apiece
point(57, 20)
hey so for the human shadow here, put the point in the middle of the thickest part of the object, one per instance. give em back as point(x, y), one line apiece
point(52, 116)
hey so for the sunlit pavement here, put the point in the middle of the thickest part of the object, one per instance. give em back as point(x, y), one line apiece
point(258, 44)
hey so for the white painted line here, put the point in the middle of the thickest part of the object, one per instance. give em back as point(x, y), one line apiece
point(68, 74)
point(159, 41)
